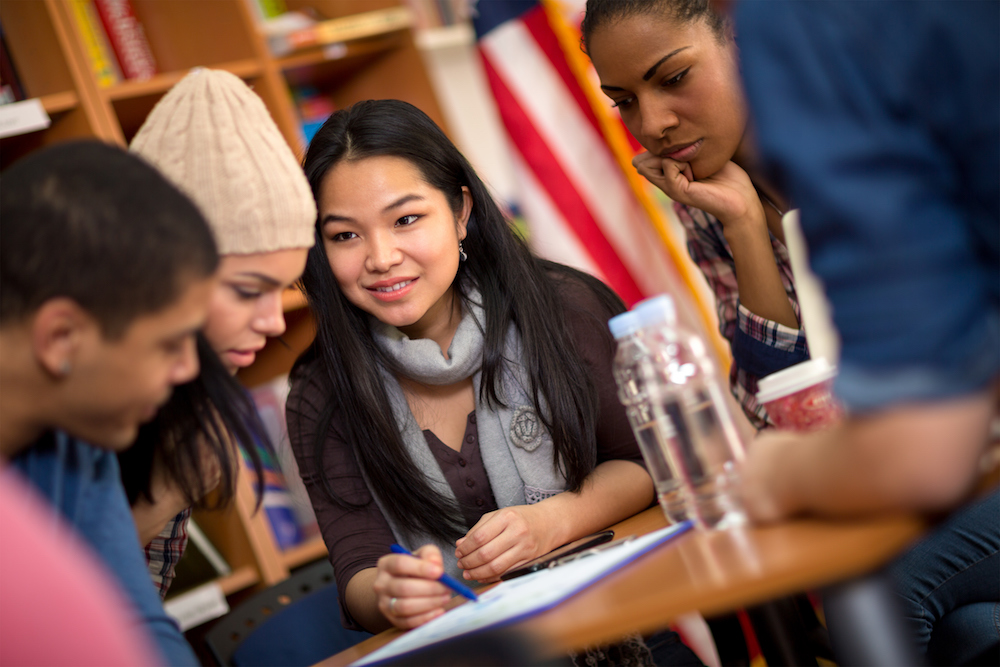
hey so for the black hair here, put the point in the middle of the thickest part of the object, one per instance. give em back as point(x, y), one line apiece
point(209, 416)
point(91, 222)
point(516, 287)
point(603, 12)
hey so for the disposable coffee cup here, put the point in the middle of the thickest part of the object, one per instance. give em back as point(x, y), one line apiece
point(800, 397)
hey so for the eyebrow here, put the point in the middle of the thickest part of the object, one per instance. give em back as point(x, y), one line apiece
point(652, 70)
point(405, 199)
point(259, 276)
point(176, 336)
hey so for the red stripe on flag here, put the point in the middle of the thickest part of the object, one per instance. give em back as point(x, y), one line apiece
point(537, 24)
point(632, 141)
point(550, 174)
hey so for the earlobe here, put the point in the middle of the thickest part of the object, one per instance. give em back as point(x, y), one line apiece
point(56, 334)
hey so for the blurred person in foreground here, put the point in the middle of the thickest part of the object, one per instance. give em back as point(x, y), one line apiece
point(105, 276)
point(881, 121)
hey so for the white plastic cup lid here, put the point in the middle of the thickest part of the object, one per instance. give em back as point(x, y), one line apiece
point(794, 378)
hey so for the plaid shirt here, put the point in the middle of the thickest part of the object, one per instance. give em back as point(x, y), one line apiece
point(165, 550)
point(760, 346)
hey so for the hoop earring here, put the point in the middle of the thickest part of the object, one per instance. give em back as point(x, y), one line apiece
point(461, 253)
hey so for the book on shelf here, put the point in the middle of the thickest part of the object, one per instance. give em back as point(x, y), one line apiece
point(127, 38)
point(11, 89)
point(276, 502)
point(265, 10)
point(95, 42)
point(313, 107)
point(286, 501)
point(343, 29)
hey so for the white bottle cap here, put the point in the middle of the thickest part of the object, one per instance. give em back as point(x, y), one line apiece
point(658, 309)
point(794, 378)
point(624, 324)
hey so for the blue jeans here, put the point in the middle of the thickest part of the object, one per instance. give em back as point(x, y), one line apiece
point(949, 584)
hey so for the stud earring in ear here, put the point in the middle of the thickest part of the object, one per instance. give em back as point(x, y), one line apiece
point(461, 252)
point(65, 368)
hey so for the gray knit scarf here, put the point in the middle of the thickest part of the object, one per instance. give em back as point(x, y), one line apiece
point(516, 448)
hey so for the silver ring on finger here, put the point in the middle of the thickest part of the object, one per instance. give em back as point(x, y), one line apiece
point(392, 606)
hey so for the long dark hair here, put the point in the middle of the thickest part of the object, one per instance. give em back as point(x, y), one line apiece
point(211, 415)
point(516, 288)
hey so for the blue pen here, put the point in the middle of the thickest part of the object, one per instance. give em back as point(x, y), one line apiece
point(446, 579)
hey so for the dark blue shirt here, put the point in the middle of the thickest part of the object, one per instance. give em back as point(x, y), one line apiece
point(881, 122)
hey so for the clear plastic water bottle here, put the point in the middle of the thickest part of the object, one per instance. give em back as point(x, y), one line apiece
point(632, 348)
point(687, 397)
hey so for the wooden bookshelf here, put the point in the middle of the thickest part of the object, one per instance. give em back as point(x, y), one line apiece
point(59, 102)
point(240, 579)
point(293, 299)
point(307, 552)
point(248, 68)
point(49, 55)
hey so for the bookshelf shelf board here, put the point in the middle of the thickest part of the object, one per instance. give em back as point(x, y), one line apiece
point(307, 552)
point(293, 299)
point(60, 102)
point(161, 83)
point(347, 55)
point(445, 37)
point(240, 579)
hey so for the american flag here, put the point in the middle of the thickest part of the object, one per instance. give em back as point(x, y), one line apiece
point(582, 206)
point(583, 203)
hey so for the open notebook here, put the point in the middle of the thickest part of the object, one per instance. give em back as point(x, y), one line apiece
point(520, 598)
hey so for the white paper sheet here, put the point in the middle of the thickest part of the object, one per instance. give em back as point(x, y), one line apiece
point(522, 597)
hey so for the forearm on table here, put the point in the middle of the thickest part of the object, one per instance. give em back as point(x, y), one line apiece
point(362, 601)
point(614, 491)
point(917, 457)
point(758, 281)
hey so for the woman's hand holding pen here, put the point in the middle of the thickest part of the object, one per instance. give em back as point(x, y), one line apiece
point(728, 194)
point(504, 539)
point(408, 590)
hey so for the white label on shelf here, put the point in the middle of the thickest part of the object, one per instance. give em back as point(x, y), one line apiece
point(23, 117)
point(335, 51)
point(197, 606)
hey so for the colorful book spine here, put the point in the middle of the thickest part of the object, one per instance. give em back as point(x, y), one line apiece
point(272, 8)
point(128, 39)
point(95, 41)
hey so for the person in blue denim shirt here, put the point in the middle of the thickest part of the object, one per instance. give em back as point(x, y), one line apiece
point(105, 276)
point(881, 121)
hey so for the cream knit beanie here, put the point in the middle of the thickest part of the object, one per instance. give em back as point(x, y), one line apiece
point(215, 140)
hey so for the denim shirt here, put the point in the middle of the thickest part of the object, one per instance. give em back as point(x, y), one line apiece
point(881, 122)
point(83, 483)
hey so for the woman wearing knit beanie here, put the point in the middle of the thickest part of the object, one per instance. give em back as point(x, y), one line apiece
point(214, 139)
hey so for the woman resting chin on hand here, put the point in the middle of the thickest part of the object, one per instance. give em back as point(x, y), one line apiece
point(671, 67)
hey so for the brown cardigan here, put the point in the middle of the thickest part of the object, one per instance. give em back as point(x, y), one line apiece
point(357, 538)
